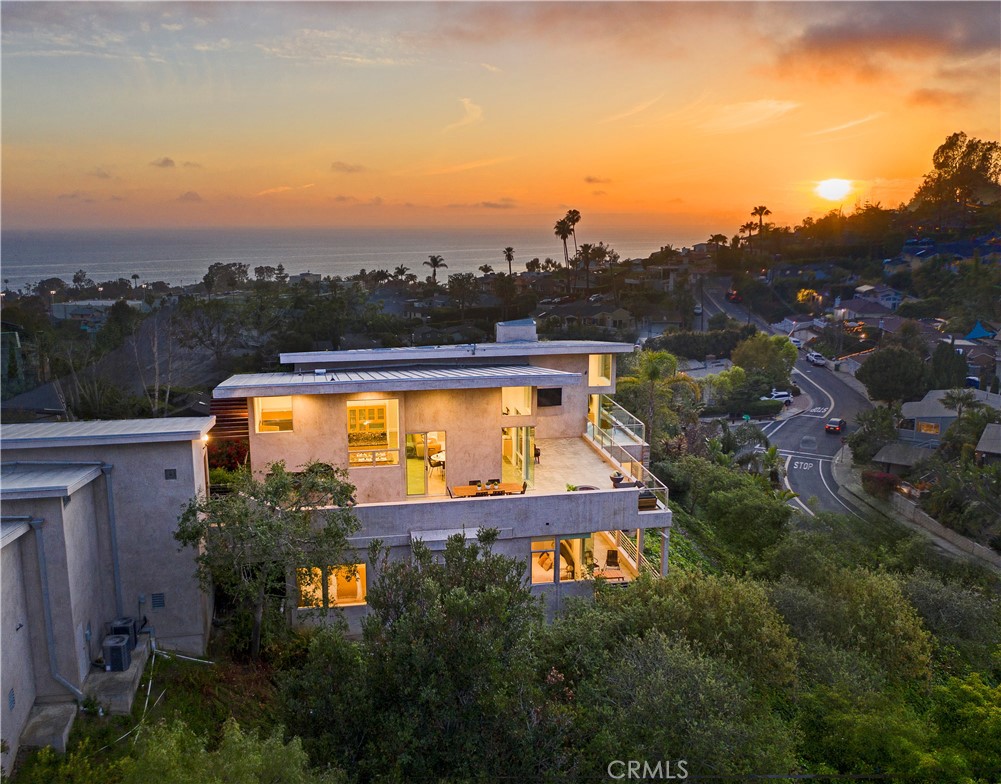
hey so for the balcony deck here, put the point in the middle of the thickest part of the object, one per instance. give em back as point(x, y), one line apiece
point(569, 461)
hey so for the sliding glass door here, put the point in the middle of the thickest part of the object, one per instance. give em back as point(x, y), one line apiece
point(426, 463)
point(518, 454)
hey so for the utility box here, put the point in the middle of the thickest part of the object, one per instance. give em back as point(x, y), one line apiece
point(126, 626)
point(117, 653)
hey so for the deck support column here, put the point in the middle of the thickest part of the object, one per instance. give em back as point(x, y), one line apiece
point(665, 541)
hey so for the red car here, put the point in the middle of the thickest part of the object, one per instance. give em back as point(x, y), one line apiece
point(835, 426)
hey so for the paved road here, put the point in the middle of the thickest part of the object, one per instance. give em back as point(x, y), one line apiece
point(800, 437)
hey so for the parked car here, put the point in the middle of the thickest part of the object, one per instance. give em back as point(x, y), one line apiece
point(796, 342)
point(779, 394)
point(816, 358)
point(835, 426)
point(734, 296)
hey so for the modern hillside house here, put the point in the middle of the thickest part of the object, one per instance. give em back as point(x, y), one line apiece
point(87, 556)
point(518, 435)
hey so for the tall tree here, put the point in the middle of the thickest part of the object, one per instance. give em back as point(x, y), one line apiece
point(760, 212)
point(573, 218)
point(893, 374)
point(464, 290)
point(435, 263)
point(509, 258)
point(253, 540)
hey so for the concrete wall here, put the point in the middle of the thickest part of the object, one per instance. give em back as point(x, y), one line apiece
point(91, 595)
point(147, 506)
point(911, 511)
point(519, 519)
point(17, 671)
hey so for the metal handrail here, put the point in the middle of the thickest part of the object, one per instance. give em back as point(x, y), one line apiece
point(627, 545)
point(621, 418)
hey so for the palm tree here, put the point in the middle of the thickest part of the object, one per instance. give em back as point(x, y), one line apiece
point(959, 400)
point(435, 263)
point(135, 280)
point(563, 230)
point(509, 258)
point(573, 218)
point(716, 240)
point(655, 367)
point(585, 256)
point(486, 269)
point(400, 272)
point(760, 212)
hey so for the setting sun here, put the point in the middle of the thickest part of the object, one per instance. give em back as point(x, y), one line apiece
point(833, 190)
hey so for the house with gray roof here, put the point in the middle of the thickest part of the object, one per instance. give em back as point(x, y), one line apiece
point(925, 421)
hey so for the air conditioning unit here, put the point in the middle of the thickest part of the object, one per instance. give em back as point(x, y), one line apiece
point(117, 655)
point(126, 626)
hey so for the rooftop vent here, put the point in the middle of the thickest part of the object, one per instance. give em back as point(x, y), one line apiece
point(510, 331)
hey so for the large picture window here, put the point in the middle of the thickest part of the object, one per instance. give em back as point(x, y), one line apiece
point(333, 586)
point(930, 428)
point(273, 414)
point(599, 370)
point(373, 432)
point(516, 401)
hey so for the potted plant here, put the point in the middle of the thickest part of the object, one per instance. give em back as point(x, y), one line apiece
point(617, 477)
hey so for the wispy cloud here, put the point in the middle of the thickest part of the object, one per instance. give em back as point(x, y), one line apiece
point(470, 165)
point(738, 116)
point(847, 125)
point(76, 196)
point(930, 96)
point(190, 196)
point(213, 46)
point(640, 107)
point(499, 204)
point(472, 114)
point(491, 68)
point(284, 189)
point(591, 180)
point(191, 165)
point(342, 45)
point(173, 27)
point(347, 168)
point(100, 173)
point(163, 163)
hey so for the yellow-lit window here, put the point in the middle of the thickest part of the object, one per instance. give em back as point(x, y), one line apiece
point(343, 586)
point(373, 432)
point(516, 401)
point(347, 585)
point(273, 414)
point(543, 561)
point(931, 428)
point(599, 370)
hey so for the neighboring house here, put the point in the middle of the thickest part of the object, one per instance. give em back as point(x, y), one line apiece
point(925, 421)
point(989, 446)
point(592, 314)
point(88, 515)
point(862, 308)
point(795, 323)
point(418, 428)
point(887, 297)
point(91, 314)
point(898, 457)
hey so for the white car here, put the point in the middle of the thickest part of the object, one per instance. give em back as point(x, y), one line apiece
point(778, 394)
point(816, 358)
point(698, 310)
point(796, 342)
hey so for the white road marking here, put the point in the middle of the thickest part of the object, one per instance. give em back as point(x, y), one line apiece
point(795, 500)
point(836, 496)
point(814, 383)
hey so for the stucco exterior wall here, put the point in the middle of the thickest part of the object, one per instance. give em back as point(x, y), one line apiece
point(91, 587)
point(147, 505)
point(17, 671)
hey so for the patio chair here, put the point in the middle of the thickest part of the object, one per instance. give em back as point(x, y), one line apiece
point(524, 487)
point(612, 559)
point(493, 481)
point(474, 482)
point(538, 455)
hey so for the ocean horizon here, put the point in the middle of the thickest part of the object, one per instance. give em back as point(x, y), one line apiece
point(182, 256)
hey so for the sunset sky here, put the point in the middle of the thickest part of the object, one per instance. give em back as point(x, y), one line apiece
point(480, 114)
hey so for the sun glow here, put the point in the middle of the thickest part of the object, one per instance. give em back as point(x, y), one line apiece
point(833, 190)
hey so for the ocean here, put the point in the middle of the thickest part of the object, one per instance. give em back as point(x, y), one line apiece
point(182, 256)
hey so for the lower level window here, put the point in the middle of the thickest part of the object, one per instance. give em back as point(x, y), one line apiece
point(543, 561)
point(333, 586)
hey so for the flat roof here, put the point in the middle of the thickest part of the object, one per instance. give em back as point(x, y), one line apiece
point(417, 377)
point(19, 481)
point(113, 431)
point(509, 349)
